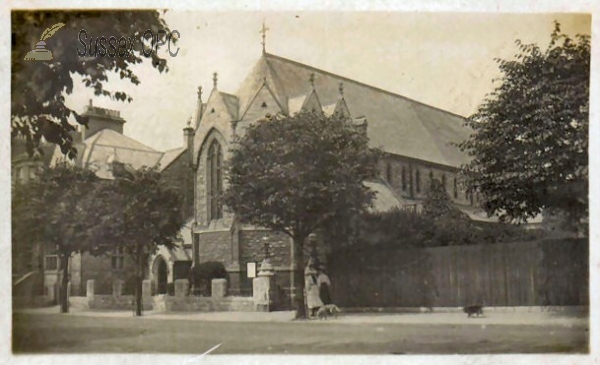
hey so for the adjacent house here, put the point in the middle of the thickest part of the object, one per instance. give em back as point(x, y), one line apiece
point(98, 146)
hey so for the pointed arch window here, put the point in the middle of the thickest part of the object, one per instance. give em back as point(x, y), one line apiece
point(215, 181)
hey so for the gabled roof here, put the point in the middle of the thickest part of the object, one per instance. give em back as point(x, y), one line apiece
point(107, 145)
point(169, 156)
point(232, 104)
point(295, 104)
point(397, 124)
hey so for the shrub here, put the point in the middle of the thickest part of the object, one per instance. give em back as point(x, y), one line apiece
point(202, 275)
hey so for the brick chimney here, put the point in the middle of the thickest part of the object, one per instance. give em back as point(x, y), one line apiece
point(101, 118)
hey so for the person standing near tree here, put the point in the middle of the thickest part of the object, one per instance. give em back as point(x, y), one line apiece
point(313, 300)
point(324, 283)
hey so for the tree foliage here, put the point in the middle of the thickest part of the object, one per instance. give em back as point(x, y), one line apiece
point(39, 88)
point(437, 203)
point(57, 210)
point(439, 224)
point(26, 227)
point(294, 174)
point(142, 212)
point(530, 141)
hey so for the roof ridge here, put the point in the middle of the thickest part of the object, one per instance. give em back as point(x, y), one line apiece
point(108, 130)
point(277, 84)
point(346, 79)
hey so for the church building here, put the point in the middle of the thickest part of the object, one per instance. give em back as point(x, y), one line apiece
point(417, 140)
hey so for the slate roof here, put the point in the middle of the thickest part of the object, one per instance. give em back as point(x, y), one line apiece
point(232, 104)
point(385, 198)
point(97, 151)
point(397, 124)
point(478, 214)
point(169, 156)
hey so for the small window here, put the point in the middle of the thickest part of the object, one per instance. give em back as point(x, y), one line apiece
point(263, 105)
point(51, 263)
point(418, 181)
point(117, 259)
point(212, 110)
point(430, 177)
point(444, 181)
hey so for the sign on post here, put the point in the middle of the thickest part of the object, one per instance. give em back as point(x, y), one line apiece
point(251, 269)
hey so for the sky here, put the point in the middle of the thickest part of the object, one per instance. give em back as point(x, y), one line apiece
point(442, 59)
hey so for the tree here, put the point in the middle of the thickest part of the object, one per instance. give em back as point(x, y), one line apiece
point(530, 136)
point(58, 210)
point(142, 212)
point(437, 202)
point(293, 174)
point(26, 227)
point(38, 88)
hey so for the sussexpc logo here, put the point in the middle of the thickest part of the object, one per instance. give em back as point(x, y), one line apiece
point(40, 52)
point(114, 46)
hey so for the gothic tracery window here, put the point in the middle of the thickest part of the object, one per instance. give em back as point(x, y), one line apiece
point(215, 181)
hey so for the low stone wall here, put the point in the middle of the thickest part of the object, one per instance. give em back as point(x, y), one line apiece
point(208, 304)
point(79, 302)
point(37, 301)
point(181, 302)
point(123, 302)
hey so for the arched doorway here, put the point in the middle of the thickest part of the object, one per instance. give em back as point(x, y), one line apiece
point(160, 275)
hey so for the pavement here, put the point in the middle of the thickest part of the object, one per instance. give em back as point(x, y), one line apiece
point(580, 318)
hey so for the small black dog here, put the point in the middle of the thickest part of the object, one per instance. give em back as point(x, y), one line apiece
point(473, 310)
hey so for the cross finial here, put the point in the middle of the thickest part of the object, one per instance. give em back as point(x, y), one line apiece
point(342, 89)
point(263, 31)
point(311, 79)
point(199, 92)
point(215, 79)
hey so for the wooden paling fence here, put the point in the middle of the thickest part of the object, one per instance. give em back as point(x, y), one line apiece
point(548, 272)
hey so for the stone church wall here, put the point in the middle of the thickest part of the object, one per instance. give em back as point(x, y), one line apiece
point(100, 270)
point(393, 175)
point(215, 246)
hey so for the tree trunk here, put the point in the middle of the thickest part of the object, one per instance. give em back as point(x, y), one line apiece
point(138, 285)
point(299, 267)
point(63, 297)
